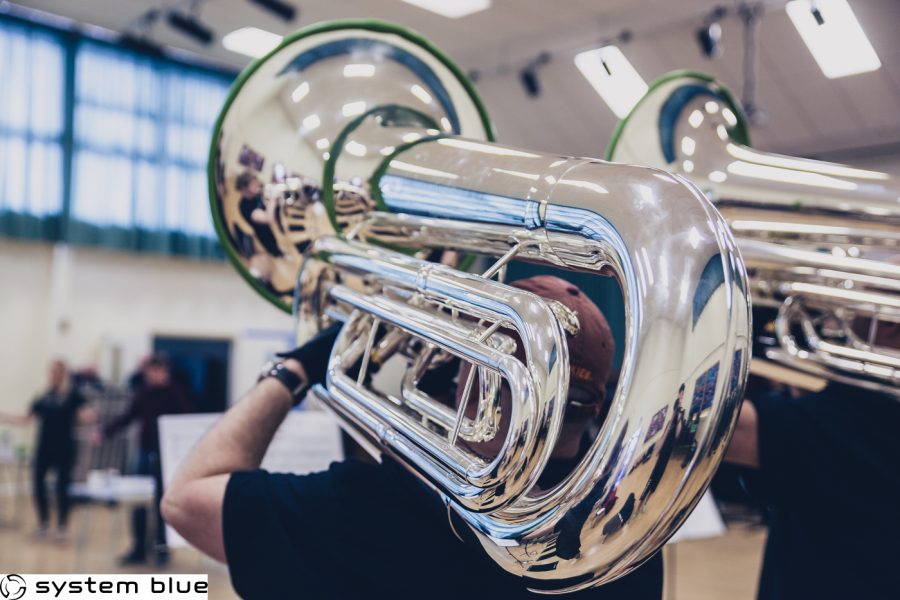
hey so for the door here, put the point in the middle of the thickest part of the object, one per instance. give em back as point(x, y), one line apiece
point(201, 366)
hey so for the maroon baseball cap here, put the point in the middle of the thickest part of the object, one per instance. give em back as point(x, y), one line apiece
point(591, 348)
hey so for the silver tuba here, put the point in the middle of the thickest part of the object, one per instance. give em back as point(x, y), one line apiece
point(353, 160)
point(820, 240)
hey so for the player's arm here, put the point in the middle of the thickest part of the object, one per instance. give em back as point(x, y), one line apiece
point(194, 499)
point(744, 447)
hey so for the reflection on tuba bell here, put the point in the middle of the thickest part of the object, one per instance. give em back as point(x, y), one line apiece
point(819, 239)
point(355, 157)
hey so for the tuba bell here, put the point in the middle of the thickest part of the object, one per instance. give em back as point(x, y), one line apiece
point(354, 160)
point(820, 240)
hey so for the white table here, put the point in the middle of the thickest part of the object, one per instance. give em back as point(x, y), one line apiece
point(112, 490)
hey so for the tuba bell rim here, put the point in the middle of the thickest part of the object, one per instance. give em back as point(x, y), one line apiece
point(371, 25)
point(739, 133)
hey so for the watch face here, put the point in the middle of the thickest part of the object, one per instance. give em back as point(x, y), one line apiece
point(267, 369)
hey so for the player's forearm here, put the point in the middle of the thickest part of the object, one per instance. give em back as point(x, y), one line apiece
point(744, 447)
point(239, 440)
point(14, 419)
point(193, 503)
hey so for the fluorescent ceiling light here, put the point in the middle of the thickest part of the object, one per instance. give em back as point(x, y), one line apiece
point(452, 9)
point(311, 122)
point(355, 148)
point(351, 109)
point(360, 70)
point(613, 77)
point(251, 41)
point(420, 93)
point(746, 169)
point(834, 36)
point(300, 91)
point(802, 164)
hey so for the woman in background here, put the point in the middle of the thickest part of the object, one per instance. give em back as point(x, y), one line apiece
point(58, 410)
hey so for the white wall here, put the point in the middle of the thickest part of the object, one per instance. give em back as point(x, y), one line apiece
point(77, 303)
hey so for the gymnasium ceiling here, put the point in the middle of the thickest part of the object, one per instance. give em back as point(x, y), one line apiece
point(803, 113)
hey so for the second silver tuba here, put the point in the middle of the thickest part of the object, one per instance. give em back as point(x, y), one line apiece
point(820, 240)
point(355, 160)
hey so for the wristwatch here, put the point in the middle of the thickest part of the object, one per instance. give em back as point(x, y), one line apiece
point(294, 384)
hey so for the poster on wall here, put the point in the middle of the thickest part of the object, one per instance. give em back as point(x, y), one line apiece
point(704, 390)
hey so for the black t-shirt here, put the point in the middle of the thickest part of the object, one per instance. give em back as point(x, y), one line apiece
point(57, 415)
point(262, 231)
point(360, 530)
point(829, 478)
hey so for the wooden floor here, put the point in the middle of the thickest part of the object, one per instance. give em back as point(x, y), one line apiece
point(714, 569)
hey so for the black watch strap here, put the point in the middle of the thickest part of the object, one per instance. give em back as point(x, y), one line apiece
point(294, 384)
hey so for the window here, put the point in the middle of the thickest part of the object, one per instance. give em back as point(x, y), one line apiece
point(125, 164)
point(142, 131)
point(31, 130)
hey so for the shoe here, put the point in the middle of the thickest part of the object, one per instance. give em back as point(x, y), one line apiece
point(133, 558)
point(61, 537)
point(161, 557)
point(41, 533)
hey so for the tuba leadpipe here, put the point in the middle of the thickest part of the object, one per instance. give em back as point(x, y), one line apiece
point(377, 158)
point(820, 240)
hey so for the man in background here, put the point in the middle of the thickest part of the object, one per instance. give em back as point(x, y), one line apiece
point(260, 215)
point(156, 397)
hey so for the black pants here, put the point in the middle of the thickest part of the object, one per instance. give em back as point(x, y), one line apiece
point(61, 462)
point(148, 464)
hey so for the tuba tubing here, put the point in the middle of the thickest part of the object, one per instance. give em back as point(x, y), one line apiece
point(820, 240)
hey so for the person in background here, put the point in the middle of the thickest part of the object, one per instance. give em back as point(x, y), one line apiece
point(258, 213)
point(825, 466)
point(156, 397)
point(136, 379)
point(58, 411)
point(674, 429)
point(358, 529)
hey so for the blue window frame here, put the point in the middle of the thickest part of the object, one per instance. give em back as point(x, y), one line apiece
point(32, 72)
point(102, 145)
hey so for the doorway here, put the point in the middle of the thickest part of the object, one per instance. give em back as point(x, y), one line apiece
point(201, 366)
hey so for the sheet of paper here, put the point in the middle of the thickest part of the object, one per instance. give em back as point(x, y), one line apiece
point(306, 442)
point(704, 522)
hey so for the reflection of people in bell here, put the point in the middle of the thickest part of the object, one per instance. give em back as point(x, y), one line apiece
point(260, 215)
point(621, 518)
point(665, 450)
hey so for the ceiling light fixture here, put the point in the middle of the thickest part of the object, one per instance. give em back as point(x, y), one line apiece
point(137, 35)
point(452, 10)
point(834, 37)
point(284, 10)
point(190, 26)
point(529, 75)
point(251, 41)
point(709, 35)
point(613, 77)
point(359, 70)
